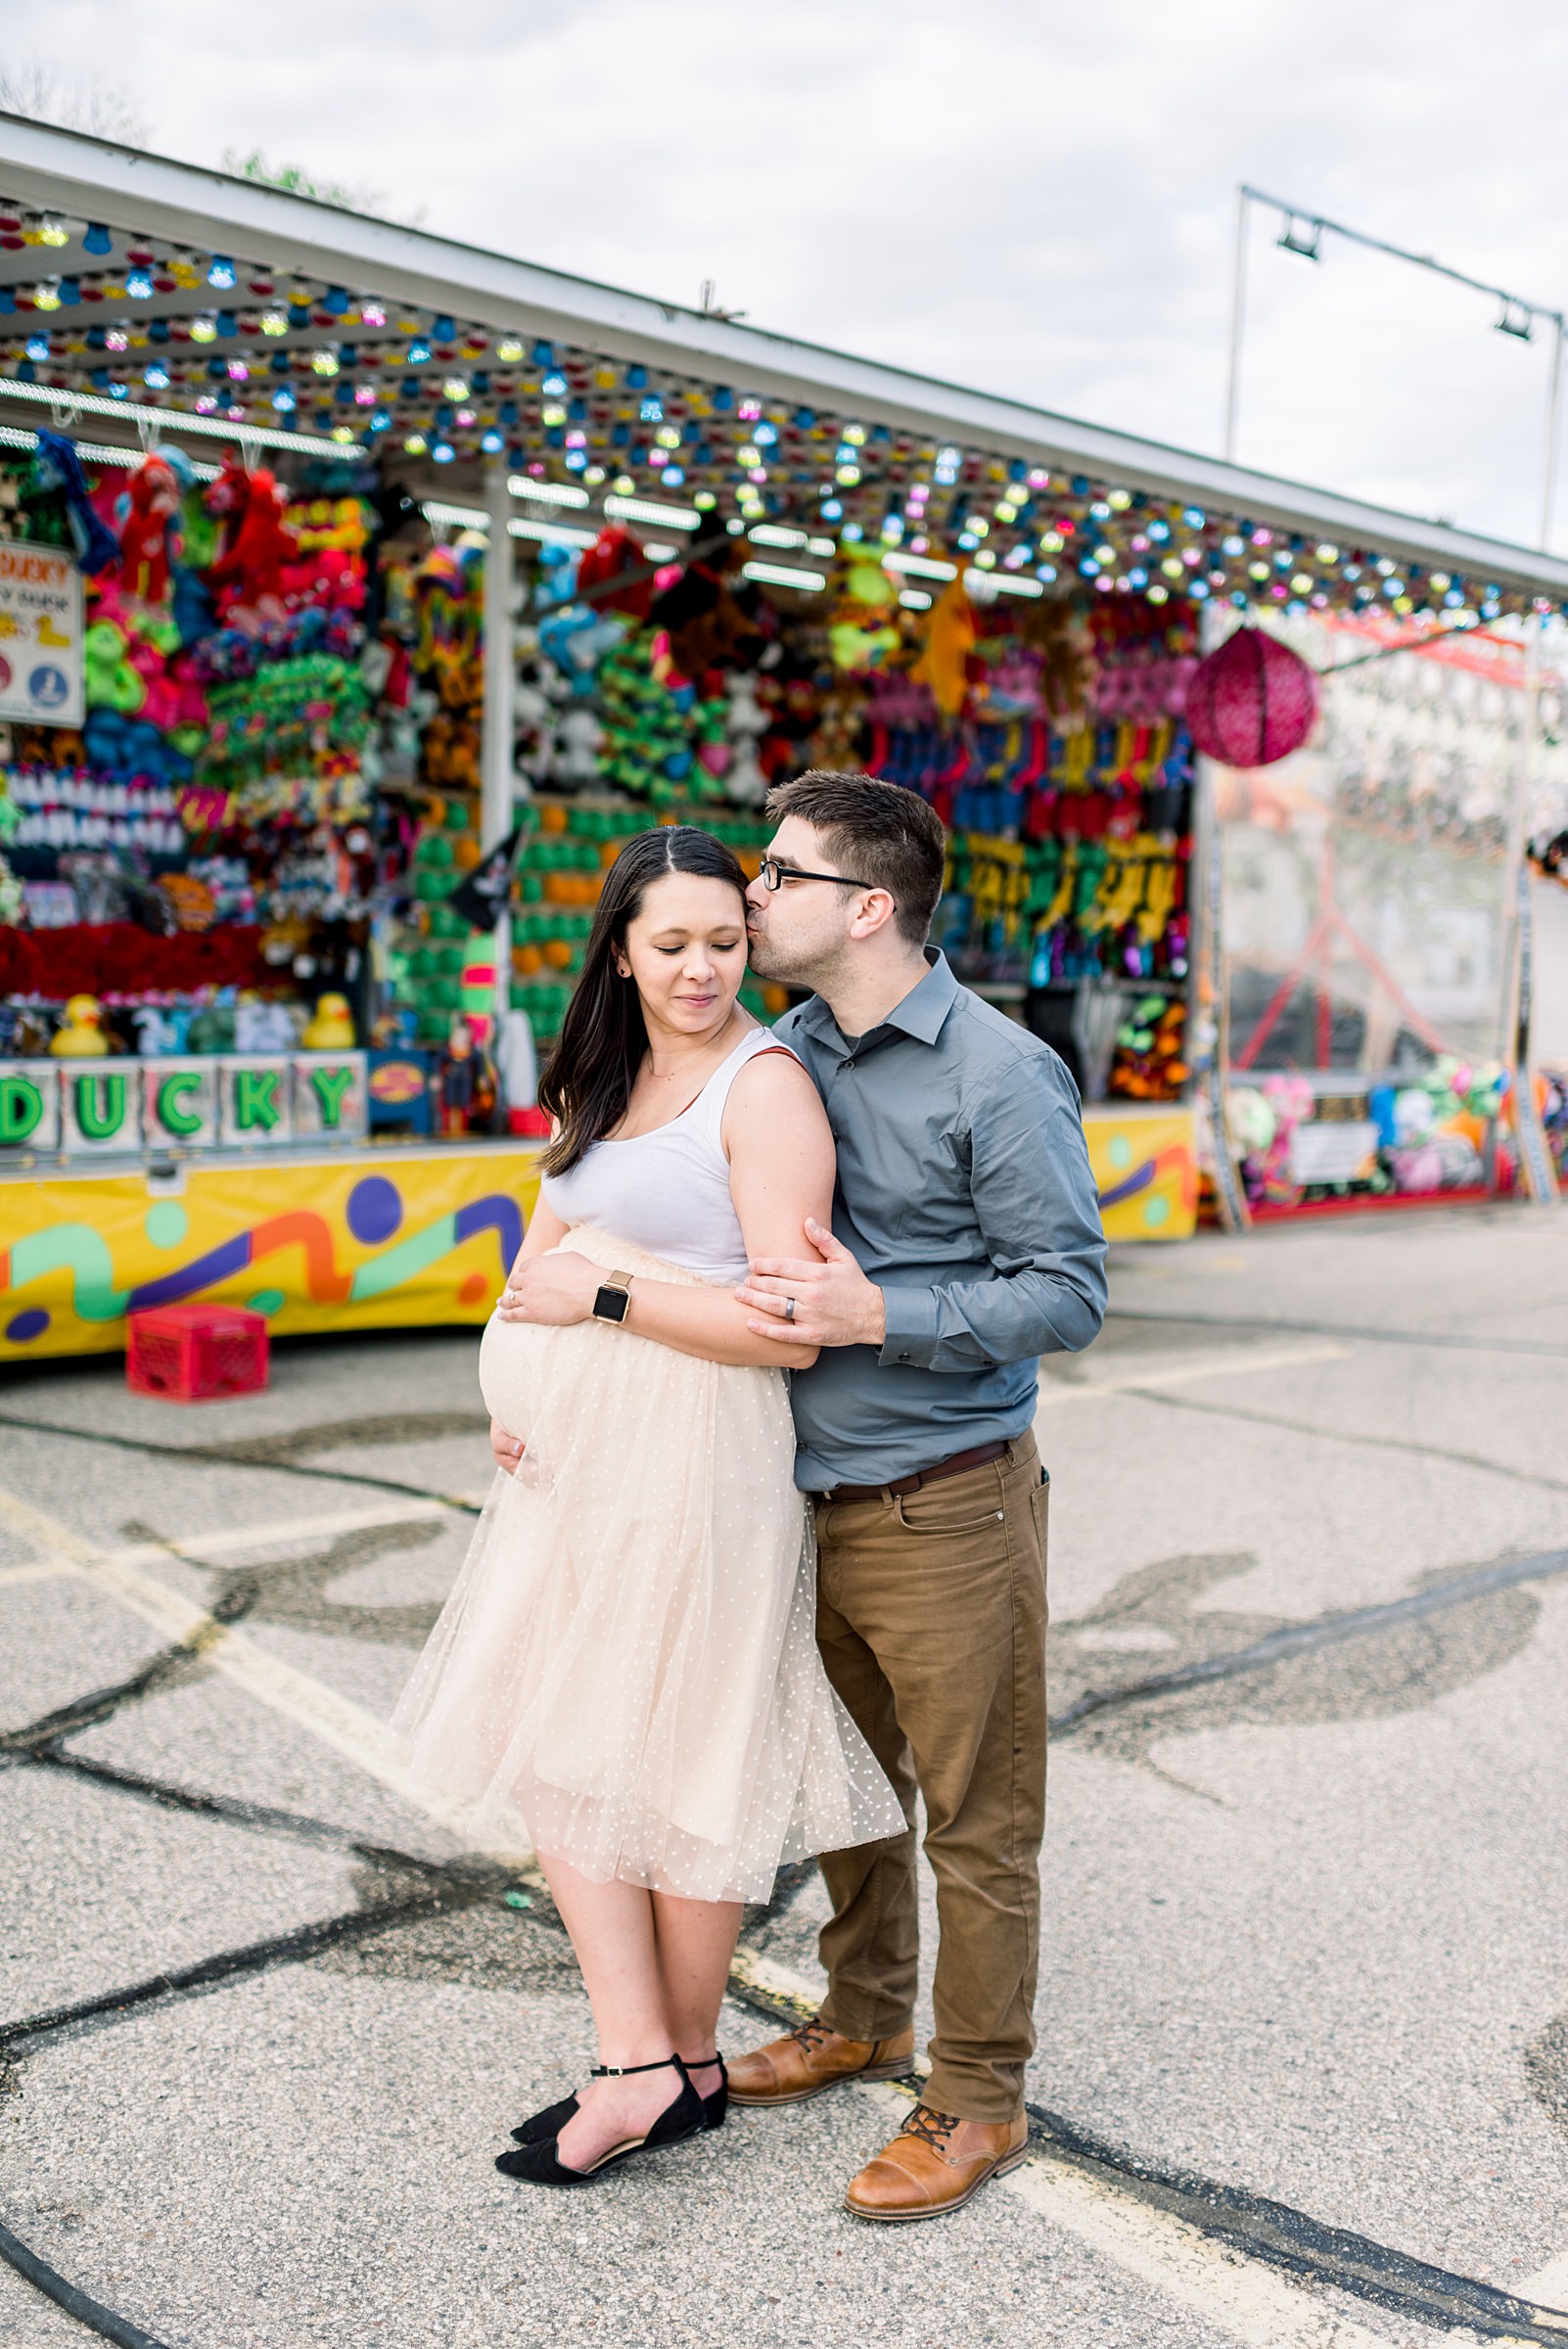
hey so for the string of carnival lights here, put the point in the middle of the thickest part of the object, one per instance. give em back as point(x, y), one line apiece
point(213, 344)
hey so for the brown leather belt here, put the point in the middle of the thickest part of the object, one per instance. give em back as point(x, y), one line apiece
point(955, 1466)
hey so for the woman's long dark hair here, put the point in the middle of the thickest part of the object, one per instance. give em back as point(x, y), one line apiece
point(588, 1079)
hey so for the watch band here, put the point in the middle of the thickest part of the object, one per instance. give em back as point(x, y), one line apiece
point(614, 1299)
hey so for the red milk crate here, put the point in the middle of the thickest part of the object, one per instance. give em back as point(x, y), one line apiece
point(195, 1352)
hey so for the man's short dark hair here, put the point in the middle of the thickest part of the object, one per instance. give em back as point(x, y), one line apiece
point(879, 832)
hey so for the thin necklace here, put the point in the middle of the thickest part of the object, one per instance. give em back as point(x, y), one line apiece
point(692, 1059)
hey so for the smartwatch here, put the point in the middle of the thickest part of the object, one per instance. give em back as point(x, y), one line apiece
point(613, 1299)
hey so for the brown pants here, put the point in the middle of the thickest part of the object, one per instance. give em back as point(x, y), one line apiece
point(931, 1617)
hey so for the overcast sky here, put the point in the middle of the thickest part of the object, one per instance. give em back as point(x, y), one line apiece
point(1035, 197)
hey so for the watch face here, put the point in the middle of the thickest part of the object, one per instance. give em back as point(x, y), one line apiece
point(611, 1305)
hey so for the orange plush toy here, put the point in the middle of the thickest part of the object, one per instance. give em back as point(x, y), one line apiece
point(949, 641)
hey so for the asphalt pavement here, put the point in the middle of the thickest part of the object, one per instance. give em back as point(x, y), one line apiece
point(1302, 2065)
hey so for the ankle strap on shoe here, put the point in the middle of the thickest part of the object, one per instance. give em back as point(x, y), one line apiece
point(624, 2071)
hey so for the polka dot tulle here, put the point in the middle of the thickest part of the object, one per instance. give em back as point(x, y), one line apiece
point(627, 1663)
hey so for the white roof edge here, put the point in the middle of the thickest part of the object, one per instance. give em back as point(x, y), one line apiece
point(69, 173)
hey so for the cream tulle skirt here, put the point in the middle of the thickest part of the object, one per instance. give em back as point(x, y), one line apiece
point(628, 1664)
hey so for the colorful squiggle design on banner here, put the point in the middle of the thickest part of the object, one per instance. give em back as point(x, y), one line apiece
point(374, 1213)
point(1147, 1172)
point(1173, 1158)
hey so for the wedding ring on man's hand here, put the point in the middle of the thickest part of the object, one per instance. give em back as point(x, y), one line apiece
point(789, 1309)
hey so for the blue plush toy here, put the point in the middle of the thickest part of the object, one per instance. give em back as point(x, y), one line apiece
point(57, 466)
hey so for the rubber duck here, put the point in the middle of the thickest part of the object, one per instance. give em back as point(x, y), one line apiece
point(331, 1027)
point(81, 1036)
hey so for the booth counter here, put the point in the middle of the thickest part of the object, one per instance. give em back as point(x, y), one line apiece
point(367, 1238)
point(333, 1240)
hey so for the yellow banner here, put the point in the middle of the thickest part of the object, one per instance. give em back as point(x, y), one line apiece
point(369, 1242)
point(390, 1240)
point(1145, 1162)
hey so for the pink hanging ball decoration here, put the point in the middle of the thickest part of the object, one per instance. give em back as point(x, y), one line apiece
point(1252, 702)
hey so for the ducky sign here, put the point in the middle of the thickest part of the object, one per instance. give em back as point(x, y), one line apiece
point(231, 1102)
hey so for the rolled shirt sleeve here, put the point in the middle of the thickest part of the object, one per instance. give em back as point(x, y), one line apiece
point(1036, 1204)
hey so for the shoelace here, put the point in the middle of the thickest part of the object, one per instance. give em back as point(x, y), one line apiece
point(930, 2126)
point(811, 2035)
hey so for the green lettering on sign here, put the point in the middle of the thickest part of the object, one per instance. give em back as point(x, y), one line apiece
point(101, 1105)
point(253, 1104)
point(172, 1115)
point(21, 1106)
point(330, 1087)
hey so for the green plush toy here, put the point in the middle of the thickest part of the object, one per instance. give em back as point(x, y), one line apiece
point(111, 682)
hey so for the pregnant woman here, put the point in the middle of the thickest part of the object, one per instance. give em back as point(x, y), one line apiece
point(627, 1666)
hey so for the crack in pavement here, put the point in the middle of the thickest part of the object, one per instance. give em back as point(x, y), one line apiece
point(181, 1661)
point(292, 1592)
point(388, 1427)
point(215, 1457)
point(1441, 1339)
point(71, 2298)
point(1443, 1453)
point(233, 1809)
point(460, 1885)
point(1159, 1600)
point(1545, 2068)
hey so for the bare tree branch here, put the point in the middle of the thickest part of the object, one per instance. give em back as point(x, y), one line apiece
point(43, 90)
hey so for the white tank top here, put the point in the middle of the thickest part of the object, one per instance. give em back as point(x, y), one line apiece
point(668, 1191)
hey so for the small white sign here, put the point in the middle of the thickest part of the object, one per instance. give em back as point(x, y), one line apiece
point(40, 635)
point(1337, 1151)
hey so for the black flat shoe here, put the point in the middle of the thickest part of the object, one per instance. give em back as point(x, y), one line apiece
point(716, 2106)
point(538, 2163)
point(540, 2127)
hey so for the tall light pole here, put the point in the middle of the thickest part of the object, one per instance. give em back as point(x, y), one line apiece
point(1302, 232)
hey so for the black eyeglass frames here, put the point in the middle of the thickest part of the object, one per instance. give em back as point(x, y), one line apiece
point(773, 875)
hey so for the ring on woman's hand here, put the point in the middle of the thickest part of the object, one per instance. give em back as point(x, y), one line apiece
point(789, 1309)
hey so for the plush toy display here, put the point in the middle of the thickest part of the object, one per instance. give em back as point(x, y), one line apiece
point(279, 772)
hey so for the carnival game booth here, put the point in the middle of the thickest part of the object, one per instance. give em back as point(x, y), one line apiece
point(361, 592)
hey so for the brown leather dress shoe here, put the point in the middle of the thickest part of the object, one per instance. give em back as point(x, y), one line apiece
point(935, 2164)
point(812, 2059)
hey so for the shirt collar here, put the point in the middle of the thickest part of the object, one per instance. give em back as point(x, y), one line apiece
point(925, 1007)
point(921, 1013)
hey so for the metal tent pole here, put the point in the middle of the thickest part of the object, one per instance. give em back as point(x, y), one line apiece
point(1238, 308)
point(500, 679)
point(1549, 490)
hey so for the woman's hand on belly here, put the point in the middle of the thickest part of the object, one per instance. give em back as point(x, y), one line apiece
point(556, 1290)
point(508, 1449)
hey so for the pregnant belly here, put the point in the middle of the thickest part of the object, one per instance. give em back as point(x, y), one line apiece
point(512, 1362)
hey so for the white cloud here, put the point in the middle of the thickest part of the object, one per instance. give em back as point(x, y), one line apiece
point(1025, 194)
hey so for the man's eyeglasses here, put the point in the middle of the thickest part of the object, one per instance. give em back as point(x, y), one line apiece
point(773, 875)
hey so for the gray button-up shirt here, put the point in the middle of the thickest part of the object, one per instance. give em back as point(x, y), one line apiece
point(964, 1192)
